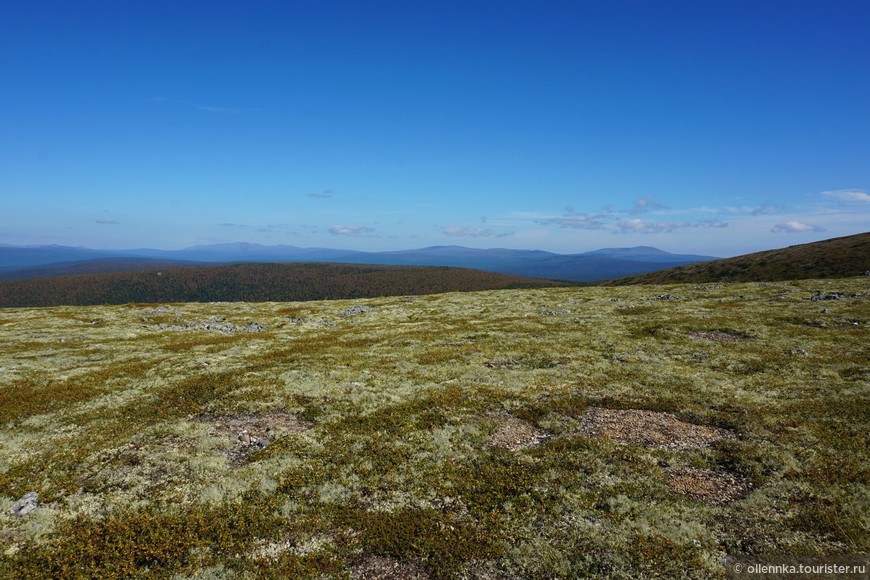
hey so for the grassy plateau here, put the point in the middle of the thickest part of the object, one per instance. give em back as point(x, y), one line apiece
point(630, 432)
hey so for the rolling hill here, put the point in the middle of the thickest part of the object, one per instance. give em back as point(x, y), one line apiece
point(834, 258)
point(253, 283)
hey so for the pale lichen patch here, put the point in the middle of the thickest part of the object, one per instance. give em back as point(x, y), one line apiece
point(373, 567)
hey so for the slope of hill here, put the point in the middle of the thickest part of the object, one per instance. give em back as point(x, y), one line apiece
point(95, 266)
point(252, 283)
point(575, 432)
point(834, 258)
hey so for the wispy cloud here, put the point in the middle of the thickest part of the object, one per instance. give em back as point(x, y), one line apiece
point(766, 209)
point(576, 220)
point(795, 227)
point(264, 228)
point(201, 107)
point(321, 194)
point(338, 230)
point(645, 204)
point(848, 195)
point(105, 222)
point(639, 226)
point(461, 232)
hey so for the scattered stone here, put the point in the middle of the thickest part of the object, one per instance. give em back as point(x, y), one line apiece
point(561, 312)
point(318, 321)
point(705, 288)
point(162, 310)
point(614, 300)
point(664, 297)
point(252, 431)
point(215, 323)
point(717, 336)
point(28, 502)
point(819, 295)
point(357, 309)
point(708, 486)
point(382, 568)
point(653, 429)
point(516, 434)
point(502, 363)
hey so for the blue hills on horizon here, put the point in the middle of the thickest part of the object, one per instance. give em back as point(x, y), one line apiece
point(18, 262)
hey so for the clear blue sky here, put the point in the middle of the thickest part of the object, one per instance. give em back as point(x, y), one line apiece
point(704, 127)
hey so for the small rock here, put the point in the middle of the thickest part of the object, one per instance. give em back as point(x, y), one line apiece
point(245, 438)
point(796, 351)
point(28, 502)
point(819, 295)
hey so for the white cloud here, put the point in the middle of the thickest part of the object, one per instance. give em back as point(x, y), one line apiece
point(350, 230)
point(104, 222)
point(848, 195)
point(795, 227)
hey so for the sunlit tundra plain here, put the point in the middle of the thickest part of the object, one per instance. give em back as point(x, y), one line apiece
point(562, 432)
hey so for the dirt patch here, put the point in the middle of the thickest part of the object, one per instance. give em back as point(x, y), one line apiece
point(717, 336)
point(516, 434)
point(652, 429)
point(382, 568)
point(715, 487)
point(253, 431)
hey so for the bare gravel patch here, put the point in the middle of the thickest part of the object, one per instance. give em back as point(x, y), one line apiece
point(653, 429)
point(708, 486)
point(516, 434)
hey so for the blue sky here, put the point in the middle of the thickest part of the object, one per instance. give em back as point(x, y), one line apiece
point(697, 127)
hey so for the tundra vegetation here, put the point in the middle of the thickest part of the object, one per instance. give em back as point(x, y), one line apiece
point(641, 431)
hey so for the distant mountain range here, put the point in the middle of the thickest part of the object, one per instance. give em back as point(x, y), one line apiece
point(835, 258)
point(21, 262)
